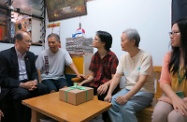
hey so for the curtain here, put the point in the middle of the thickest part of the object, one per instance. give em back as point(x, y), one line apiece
point(179, 10)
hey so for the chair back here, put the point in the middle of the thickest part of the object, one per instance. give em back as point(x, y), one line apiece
point(157, 73)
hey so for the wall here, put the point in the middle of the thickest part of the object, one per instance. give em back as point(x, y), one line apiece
point(152, 19)
point(35, 49)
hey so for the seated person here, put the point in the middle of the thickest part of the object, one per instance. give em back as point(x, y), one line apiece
point(172, 106)
point(136, 67)
point(18, 75)
point(103, 65)
point(1, 114)
point(51, 63)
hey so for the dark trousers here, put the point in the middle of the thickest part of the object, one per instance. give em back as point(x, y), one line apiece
point(6, 107)
point(105, 115)
point(16, 95)
point(55, 85)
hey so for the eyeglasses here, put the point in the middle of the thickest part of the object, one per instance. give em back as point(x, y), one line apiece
point(174, 33)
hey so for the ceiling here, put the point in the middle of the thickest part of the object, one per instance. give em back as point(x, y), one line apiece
point(31, 7)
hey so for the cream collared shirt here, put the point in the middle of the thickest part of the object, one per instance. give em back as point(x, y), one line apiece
point(22, 67)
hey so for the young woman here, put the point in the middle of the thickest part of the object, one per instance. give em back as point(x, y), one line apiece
point(102, 67)
point(172, 106)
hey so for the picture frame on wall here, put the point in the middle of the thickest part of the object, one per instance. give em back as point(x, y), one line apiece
point(63, 9)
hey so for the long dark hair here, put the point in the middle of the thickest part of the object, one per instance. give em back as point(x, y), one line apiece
point(176, 52)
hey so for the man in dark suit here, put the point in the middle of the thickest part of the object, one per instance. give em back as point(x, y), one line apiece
point(18, 76)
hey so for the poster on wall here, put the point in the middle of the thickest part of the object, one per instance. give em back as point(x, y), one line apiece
point(62, 9)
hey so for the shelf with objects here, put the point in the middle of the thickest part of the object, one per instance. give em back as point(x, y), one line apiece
point(14, 14)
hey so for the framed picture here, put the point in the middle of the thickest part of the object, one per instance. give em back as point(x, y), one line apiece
point(62, 9)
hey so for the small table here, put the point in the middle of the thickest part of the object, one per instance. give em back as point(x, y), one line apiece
point(50, 105)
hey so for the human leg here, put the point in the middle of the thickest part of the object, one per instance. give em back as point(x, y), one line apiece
point(161, 111)
point(114, 111)
point(105, 115)
point(40, 90)
point(136, 103)
point(60, 83)
point(50, 85)
point(8, 109)
point(175, 116)
point(23, 113)
point(126, 112)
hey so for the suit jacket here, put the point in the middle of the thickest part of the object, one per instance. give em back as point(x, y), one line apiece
point(9, 68)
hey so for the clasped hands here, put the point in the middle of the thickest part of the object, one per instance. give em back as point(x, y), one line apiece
point(30, 85)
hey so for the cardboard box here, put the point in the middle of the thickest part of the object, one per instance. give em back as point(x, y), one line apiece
point(76, 94)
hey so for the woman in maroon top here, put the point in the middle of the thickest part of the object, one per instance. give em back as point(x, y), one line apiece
point(103, 65)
